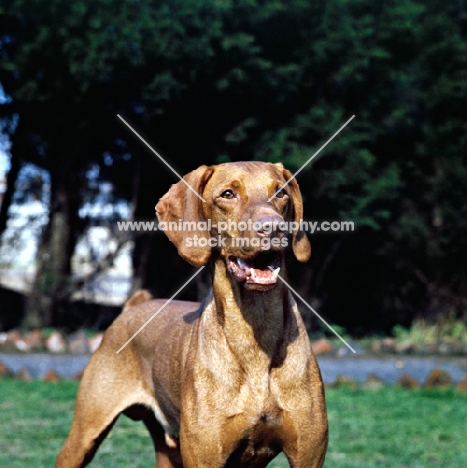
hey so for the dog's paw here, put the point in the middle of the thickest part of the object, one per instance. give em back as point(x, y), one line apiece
point(171, 441)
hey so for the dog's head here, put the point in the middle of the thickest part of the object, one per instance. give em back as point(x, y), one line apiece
point(245, 218)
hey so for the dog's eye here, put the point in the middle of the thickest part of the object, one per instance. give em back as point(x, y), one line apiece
point(228, 194)
point(281, 193)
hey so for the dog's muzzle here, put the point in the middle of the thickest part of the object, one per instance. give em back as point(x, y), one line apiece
point(263, 269)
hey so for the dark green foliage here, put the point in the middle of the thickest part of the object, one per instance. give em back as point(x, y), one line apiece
point(224, 80)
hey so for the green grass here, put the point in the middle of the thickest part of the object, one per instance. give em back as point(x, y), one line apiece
point(387, 428)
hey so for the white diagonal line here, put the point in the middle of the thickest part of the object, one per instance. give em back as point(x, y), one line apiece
point(316, 154)
point(159, 310)
point(161, 158)
point(316, 313)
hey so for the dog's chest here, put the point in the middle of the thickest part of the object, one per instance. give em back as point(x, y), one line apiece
point(258, 408)
point(260, 440)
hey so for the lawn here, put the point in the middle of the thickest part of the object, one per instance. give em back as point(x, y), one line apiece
point(385, 428)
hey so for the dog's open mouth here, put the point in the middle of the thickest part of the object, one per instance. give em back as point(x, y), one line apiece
point(262, 270)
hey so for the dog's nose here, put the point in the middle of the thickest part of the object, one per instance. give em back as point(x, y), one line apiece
point(270, 226)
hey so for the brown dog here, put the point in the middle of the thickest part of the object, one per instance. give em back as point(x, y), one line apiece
point(229, 383)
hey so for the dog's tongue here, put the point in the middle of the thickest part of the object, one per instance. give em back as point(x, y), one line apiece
point(245, 271)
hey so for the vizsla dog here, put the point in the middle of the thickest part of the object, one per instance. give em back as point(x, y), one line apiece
point(228, 383)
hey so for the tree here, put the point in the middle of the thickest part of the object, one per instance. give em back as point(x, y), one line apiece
point(67, 84)
point(397, 172)
point(212, 81)
point(57, 71)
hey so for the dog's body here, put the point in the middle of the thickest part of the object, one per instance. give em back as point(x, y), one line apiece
point(228, 383)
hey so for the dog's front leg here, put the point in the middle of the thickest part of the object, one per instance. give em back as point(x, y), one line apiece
point(306, 428)
point(207, 435)
point(201, 446)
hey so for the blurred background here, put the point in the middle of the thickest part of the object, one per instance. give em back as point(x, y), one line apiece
point(210, 81)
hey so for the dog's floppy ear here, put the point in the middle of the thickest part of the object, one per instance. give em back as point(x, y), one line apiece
point(182, 207)
point(300, 244)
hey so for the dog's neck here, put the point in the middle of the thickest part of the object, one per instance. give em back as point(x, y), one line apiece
point(253, 322)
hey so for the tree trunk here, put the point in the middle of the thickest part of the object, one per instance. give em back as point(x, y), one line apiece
point(53, 265)
point(11, 177)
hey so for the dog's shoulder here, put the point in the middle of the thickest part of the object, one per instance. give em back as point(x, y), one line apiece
point(142, 306)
